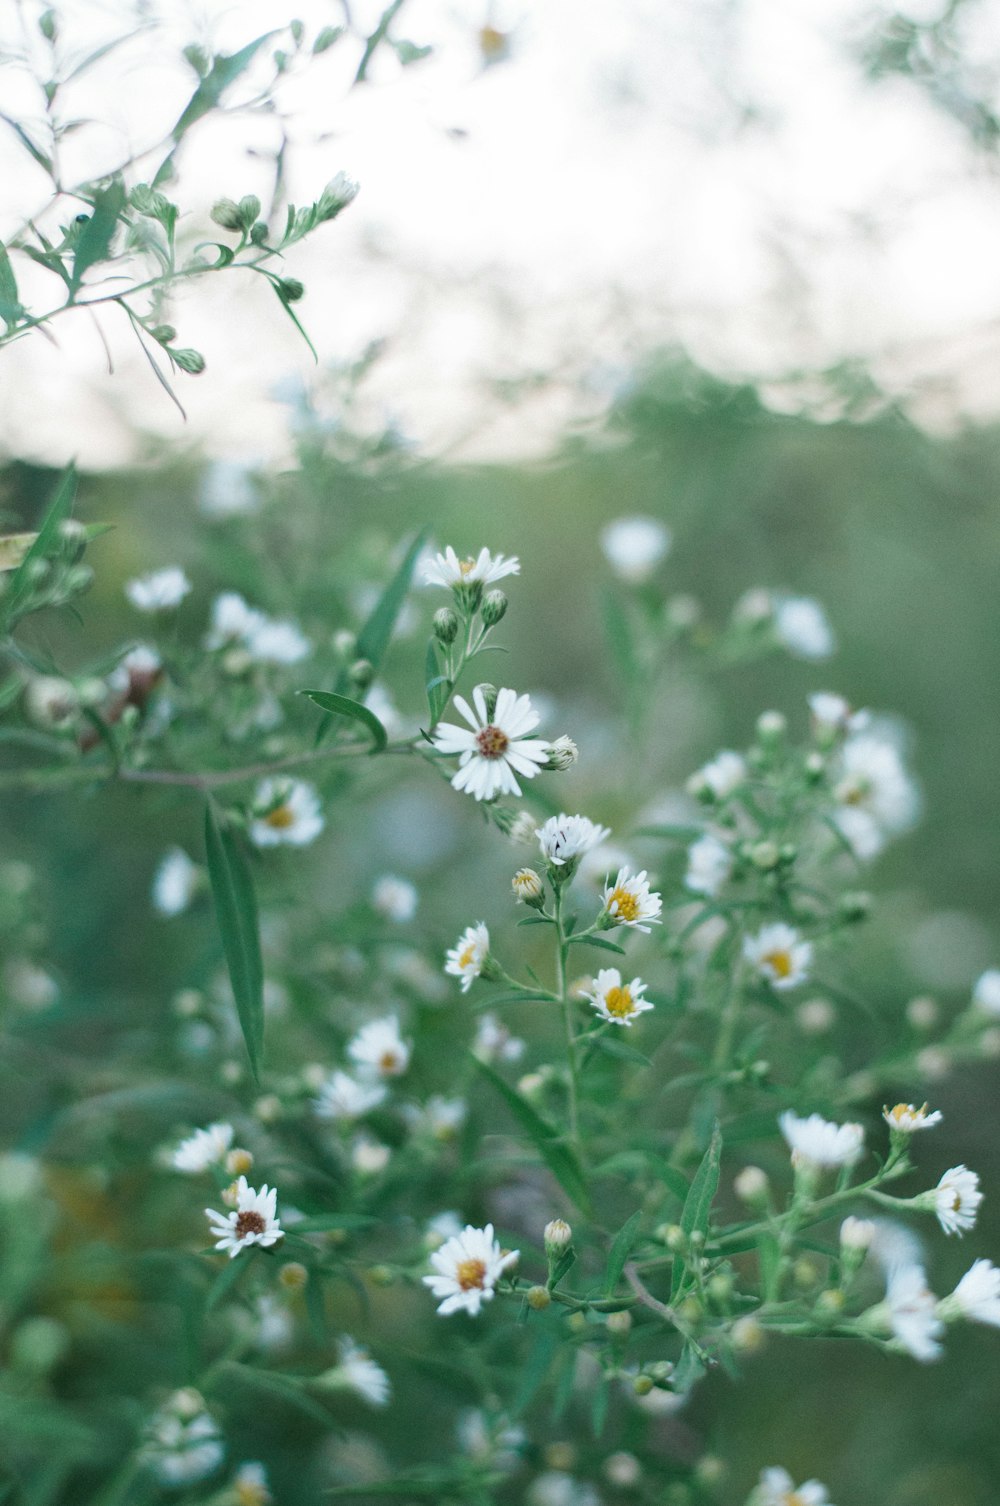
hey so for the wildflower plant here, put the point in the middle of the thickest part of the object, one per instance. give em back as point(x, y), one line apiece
point(564, 1163)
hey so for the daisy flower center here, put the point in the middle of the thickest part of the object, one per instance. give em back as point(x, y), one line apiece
point(492, 742)
point(854, 792)
point(618, 1001)
point(389, 1061)
point(249, 1222)
point(280, 818)
point(470, 1274)
point(624, 904)
point(465, 958)
point(780, 962)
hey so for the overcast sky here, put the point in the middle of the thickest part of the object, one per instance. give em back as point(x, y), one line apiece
point(709, 172)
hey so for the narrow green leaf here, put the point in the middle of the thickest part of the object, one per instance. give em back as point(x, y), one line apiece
point(225, 1282)
point(225, 70)
point(10, 303)
point(559, 1158)
point(536, 1368)
point(342, 705)
point(621, 1049)
point(30, 146)
point(283, 1387)
point(97, 234)
point(598, 941)
point(698, 1203)
point(373, 639)
point(620, 1252)
point(437, 685)
point(599, 1405)
point(236, 912)
point(59, 508)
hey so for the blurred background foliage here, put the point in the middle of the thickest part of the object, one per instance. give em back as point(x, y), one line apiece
point(895, 531)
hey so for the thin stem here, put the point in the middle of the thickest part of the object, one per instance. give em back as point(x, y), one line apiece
point(567, 1008)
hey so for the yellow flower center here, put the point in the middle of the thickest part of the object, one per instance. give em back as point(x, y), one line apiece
point(249, 1493)
point(470, 1274)
point(624, 904)
point(779, 962)
point(466, 566)
point(281, 817)
point(466, 956)
point(618, 1001)
point(250, 1222)
point(492, 742)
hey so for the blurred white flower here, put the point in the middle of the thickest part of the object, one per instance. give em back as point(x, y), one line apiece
point(175, 882)
point(913, 1317)
point(724, 774)
point(395, 898)
point(233, 620)
point(633, 547)
point(977, 1295)
point(204, 1149)
point(227, 490)
point(631, 902)
point(494, 1042)
point(986, 993)
point(857, 1233)
point(288, 812)
point(343, 1097)
point(252, 1222)
point(465, 959)
point(778, 953)
point(467, 1268)
point(710, 862)
point(440, 1117)
point(360, 1373)
point(183, 1443)
point(378, 1049)
point(554, 1487)
point(250, 1487)
point(956, 1200)
point(877, 797)
point(564, 838)
point(493, 750)
point(777, 1488)
point(831, 715)
point(274, 642)
point(448, 570)
point(906, 1119)
point(819, 1142)
point(617, 1001)
point(800, 625)
point(159, 591)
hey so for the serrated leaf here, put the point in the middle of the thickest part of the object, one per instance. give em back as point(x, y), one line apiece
point(620, 1252)
point(597, 941)
point(95, 238)
point(342, 705)
point(558, 1157)
point(236, 913)
point(701, 1195)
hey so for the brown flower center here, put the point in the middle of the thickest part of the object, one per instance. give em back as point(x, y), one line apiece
point(389, 1061)
point(280, 818)
point(470, 1274)
point(492, 742)
point(250, 1222)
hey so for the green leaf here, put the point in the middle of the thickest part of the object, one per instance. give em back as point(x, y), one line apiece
point(30, 146)
point(236, 912)
point(10, 303)
point(620, 1252)
point(437, 685)
point(59, 508)
point(621, 1049)
point(599, 1405)
point(274, 1385)
point(320, 1222)
point(225, 1282)
point(698, 1203)
point(598, 941)
point(536, 1367)
point(97, 234)
point(559, 1158)
point(225, 70)
point(373, 639)
point(342, 705)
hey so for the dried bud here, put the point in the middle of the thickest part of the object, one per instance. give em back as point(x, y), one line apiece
point(494, 607)
point(446, 625)
point(293, 1276)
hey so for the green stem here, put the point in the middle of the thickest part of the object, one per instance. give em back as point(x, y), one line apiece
point(567, 1008)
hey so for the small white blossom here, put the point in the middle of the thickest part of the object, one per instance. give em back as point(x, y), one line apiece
point(227, 490)
point(779, 955)
point(494, 1042)
point(369, 1156)
point(448, 570)
point(343, 1097)
point(617, 1001)
point(465, 959)
point(721, 776)
point(250, 1487)
point(274, 642)
point(175, 882)
point(493, 750)
point(340, 191)
point(631, 902)
point(986, 994)
point(233, 620)
point(956, 1200)
point(913, 1313)
point(710, 862)
point(440, 1117)
point(633, 547)
point(395, 898)
point(359, 1372)
point(289, 812)
point(801, 626)
point(819, 1142)
point(252, 1222)
point(832, 716)
point(977, 1295)
point(378, 1049)
point(564, 838)
point(871, 779)
point(467, 1268)
point(906, 1119)
point(777, 1488)
point(160, 591)
point(183, 1443)
point(555, 1487)
point(204, 1149)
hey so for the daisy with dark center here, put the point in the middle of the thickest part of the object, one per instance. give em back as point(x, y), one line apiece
point(252, 1222)
point(496, 746)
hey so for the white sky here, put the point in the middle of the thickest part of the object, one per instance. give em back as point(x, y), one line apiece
point(561, 212)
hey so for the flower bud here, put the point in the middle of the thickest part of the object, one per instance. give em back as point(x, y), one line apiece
point(493, 608)
point(710, 1470)
point(345, 643)
point(771, 727)
point(747, 1335)
point(563, 754)
point(855, 907)
point(538, 1299)
point(576, 1322)
point(446, 625)
point(238, 1161)
point(249, 210)
point(560, 1455)
point(922, 1013)
point(558, 1237)
point(751, 1185)
point(830, 1303)
point(619, 1324)
point(51, 703)
point(231, 1195)
point(856, 1233)
point(765, 856)
point(528, 888)
point(622, 1469)
point(268, 1108)
point(293, 1276)
point(226, 212)
point(815, 1016)
point(73, 538)
point(362, 673)
point(338, 193)
point(191, 361)
point(642, 1385)
point(489, 693)
point(290, 289)
point(815, 766)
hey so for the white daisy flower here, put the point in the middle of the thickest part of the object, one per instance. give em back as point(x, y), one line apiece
point(252, 1222)
point(956, 1200)
point(204, 1149)
point(440, 1117)
point(617, 1001)
point(777, 1488)
point(233, 620)
point(273, 642)
point(633, 547)
point(466, 958)
point(906, 1120)
point(358, 1372)
point(136, 672)
point(818, 1142)
point(343, 1097)
point(710, 862)
point(630, 901)
point(493, 750)
point(448, 570)
point(160, 591)
point(801, 626)
point(250, 1487)
point(986, 994)
point(860, 831)
point(369, 1156)
point(494, 1042)
point(467, 1268)
point(779, 955)
point(977, 1295)
point(378, 1049)
point(289, 811)
point(913, 1315)
point(870, 777)
point(183, 1442)
point(175, 882)
point(563, 838)
point(721, 776)
point(831, 716)
point(395, 898)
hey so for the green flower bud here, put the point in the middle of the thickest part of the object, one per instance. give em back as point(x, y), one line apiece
point(290, 290)
point(855, 907)
point(538, 1299)
point(226, 212)
point(78, 580)
point(326, 39)
point(490, 694)
point(48, 25)
point(642, 1385)
point(619, 1324)
point(337, 194)
point(563, 754)
point(191, 361)
point(362, 673)
point(494, 607)
point(765, 856)
point(163, 333)
point(446, 625)
point(258, 234)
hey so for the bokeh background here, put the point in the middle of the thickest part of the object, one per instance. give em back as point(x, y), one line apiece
point(616, 283)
